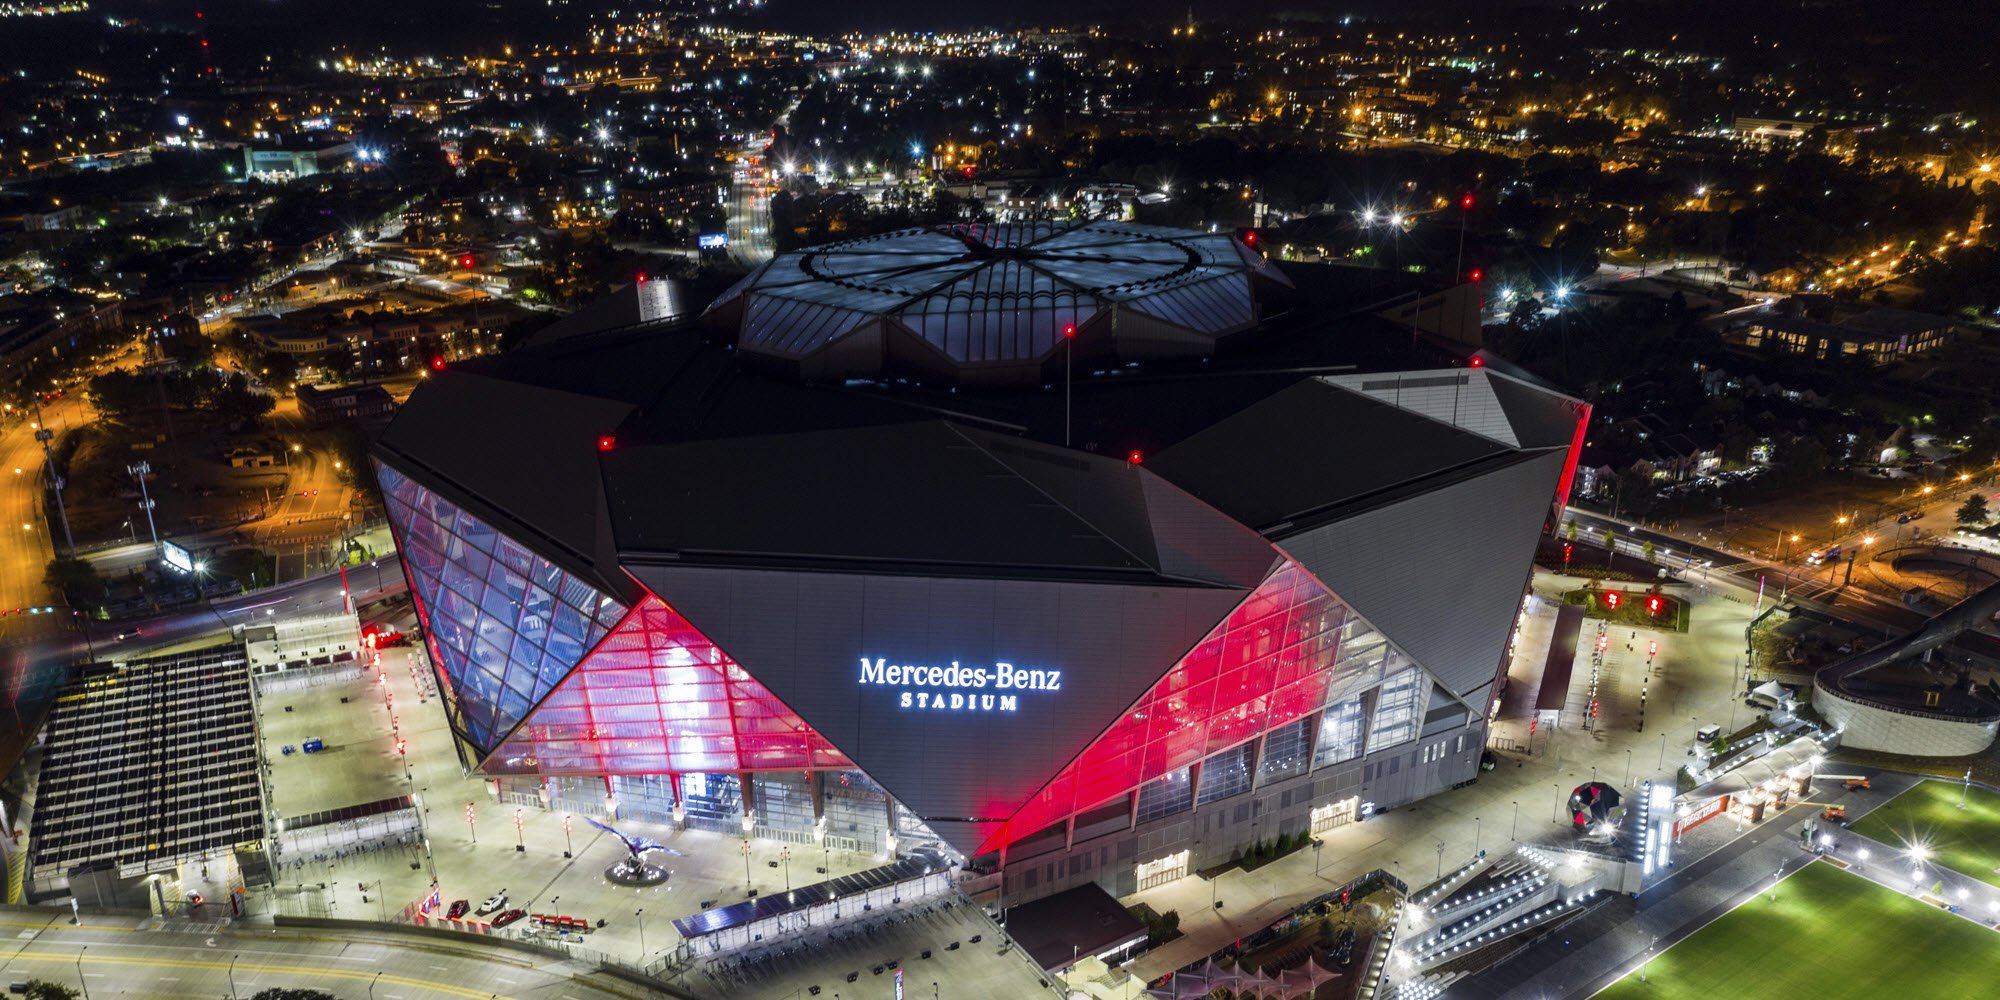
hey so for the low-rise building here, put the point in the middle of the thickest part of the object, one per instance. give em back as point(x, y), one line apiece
point(322, 404)
point(1879, 335)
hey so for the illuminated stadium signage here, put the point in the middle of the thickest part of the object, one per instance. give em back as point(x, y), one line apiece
point(956, 687)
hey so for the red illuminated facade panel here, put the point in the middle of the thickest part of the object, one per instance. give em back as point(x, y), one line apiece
point(657, 696)
point(1268, 664)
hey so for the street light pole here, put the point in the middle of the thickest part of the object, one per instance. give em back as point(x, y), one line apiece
point(232, 977)
point(371, 986)
point(641, 914)
point(80, 981)
point(1514, 832)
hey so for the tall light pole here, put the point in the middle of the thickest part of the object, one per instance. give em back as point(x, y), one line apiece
point(785, 853)
point(232, 978)
point(80, 981)
point(1069, 341)
point(1514, 832)
point(139, 471)
point(641, 914)
point(44, 436)
point(371, 986)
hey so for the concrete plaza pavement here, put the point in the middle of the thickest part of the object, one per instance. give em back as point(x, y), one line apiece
point(1695, 680)
point(471, 863)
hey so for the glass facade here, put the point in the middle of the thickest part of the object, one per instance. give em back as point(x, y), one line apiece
point(1166, 795)
point(657, 696)
point(1340, 729)
point(1285, 752)
point(504, 625)
point(1226, 774)
point(1271, 662)
point(1396, 710)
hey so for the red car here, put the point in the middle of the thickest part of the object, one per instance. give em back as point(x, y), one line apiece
point(508, 917)
point(458, 908)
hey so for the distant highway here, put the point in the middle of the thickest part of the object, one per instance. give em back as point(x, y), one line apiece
point(749, 225)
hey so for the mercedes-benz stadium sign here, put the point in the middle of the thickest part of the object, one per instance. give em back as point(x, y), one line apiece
point(958, 688)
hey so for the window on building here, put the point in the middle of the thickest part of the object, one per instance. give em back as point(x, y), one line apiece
point(1166, 795)
point(1339, 733)
point(1396, 710)
point(1226, 774)
point(1285, 752)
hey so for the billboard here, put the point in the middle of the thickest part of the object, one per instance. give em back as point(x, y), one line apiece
point(713, 241)
point(176, 557)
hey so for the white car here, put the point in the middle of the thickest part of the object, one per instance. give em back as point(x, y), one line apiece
point(493, 903)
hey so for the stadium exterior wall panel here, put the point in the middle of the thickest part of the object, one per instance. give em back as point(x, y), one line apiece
point(803, 635)
point(1441, 573)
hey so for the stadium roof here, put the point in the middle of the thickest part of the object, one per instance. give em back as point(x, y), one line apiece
point(992, 302)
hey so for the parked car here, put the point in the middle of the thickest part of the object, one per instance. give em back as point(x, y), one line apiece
point(312, 746)
point(457, 909)
point(1911, 516)
point(493, 903)
point(509, 917)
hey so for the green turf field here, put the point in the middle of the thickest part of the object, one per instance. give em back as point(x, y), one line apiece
point(1966, 841)
point(1830, 935)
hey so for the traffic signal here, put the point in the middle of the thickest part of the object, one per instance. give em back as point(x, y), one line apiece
point(1654, 603)
point(1652, 647)
point(1593, 708)
point(1532, 723)
point(1612, 599)
point(470, 818)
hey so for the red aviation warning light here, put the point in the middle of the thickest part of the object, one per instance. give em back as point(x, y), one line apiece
point(437, 364)
point(606, 442)
point(1133, 458)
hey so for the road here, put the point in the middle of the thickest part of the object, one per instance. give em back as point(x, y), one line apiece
point(1694, 561)
point(749, 226)
point(112, 956)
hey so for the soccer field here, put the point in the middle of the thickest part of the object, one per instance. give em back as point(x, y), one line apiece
point(1829, 935)
point(1966, 841)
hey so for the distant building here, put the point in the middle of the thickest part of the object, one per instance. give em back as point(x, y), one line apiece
point(1880, 335)
point(274, 334)
point(290, 163)
point(325, 404)
point(54, 219)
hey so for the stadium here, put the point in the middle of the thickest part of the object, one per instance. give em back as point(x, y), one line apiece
point(1061, 547)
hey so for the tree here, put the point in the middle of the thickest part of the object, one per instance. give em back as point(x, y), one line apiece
point(1973, 512)
point(42, 989)
point(236, 402)
point(1610, 545)
point(1647, 548)
point(78, 582)
point(1569, 530)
